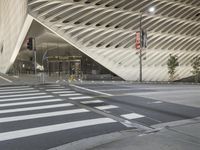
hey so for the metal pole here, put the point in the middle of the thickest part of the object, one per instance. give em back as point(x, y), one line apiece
point(35, 57)
point(140, 57)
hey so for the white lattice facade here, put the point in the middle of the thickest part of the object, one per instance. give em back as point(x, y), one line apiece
point(105, 31)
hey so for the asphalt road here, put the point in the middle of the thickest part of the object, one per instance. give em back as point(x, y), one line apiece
point(40, 117)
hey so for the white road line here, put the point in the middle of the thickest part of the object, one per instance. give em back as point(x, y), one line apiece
point(106, 107)
point(13, 87)
point(42, 115)
point(34, 108)
point(51, 90)
point(81, 97)
point(25, 98)
point(52, 85)
point(75, 94)
point(132, 116)
point(63, 92)
point(52, 128)
point(6, 79)
point(92, 90)
point(19, 92)
point(19, 95)
point(30, 102)
point(24, 89)
point(92, 102)
point(157, 102)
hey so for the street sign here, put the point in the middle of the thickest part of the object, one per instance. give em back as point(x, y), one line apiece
point(137, 40)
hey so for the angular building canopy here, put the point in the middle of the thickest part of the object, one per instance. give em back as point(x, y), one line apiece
point(105, 31)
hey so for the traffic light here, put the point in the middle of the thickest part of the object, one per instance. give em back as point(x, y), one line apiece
point(30, 44)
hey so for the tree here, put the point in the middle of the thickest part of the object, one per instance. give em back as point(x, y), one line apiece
point(172, 63)
point(196, 68)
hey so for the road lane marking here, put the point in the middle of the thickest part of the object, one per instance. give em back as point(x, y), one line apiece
point(53, 128)
point(30, 102)
point(106, 107)
point(51, 90)
point(81, 97)
point(157, 102)
point(92, 102)
point(34, 108)
point(132, 116)
point(42, 115)
point(19, 92)
point(94, 91)
point(56, 85)
point(25, 98)
point(19, 95)
point(14, 87)
point(9, 90)
point(63, 92)
point(6, 79)
point(74, 94)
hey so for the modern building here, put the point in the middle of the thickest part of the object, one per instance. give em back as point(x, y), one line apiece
point(104, 30)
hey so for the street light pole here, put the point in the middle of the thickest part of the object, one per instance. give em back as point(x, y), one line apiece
point(140, 73)
point(142, 42)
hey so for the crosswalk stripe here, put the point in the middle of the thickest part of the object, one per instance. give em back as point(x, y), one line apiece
point(23, 89)
point(51, 90)
point(92, 102)
point(13, 87)
point(42, 115)
point(35, 108)
point(25, 98)
point(19, 95)
point(19, 92)
point(52, 128)
point(106, 107)
point(64, 92)
point(132, 116)
point(75, 94)
point(52, 85)
point(81, 97)
point(30, 102)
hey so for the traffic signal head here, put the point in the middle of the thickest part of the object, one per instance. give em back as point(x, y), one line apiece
point(30, 44)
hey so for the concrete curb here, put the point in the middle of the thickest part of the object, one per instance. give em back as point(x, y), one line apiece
point(92, 142)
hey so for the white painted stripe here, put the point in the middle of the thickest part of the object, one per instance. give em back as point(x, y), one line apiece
point(23, 89)
point(56, 85)
point(6, 79)
point(25, 98)
point(30, 102)
point(63, 92)
point(81, 97)
point(34, 108)
point(19, 92)
point(92, 90)
point(42, 115)
point(13, 87)
point(19, 95)
point(51, 90)
point(92, 102)
point(157, 102)
point(106, 107)
point(132, 116)
point(53, 128)
point(75, 94)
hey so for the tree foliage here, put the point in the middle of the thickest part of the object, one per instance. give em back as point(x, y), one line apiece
point(196, 68)
point(172, 63)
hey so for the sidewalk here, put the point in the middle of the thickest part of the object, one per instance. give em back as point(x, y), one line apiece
point(182, 137)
